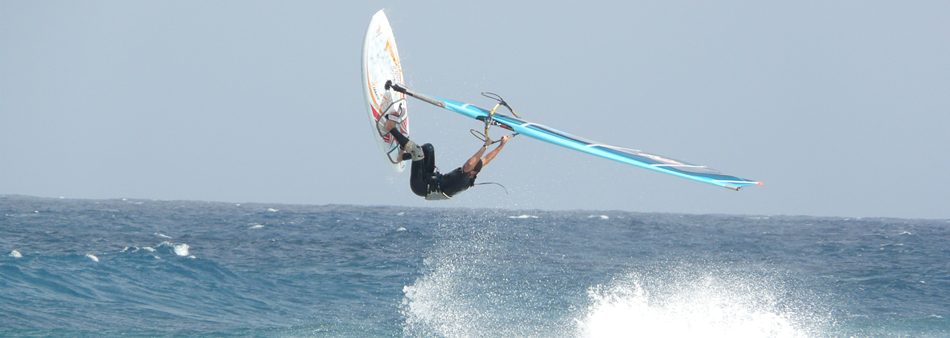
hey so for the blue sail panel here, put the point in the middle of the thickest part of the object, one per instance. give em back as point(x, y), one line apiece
point(620, 154)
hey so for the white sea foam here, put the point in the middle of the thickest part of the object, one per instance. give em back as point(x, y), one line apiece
point(92, 257)
point(401, 229)
point(523, 216)
point(603, 217)
point(707, 307)
point(460, 296)
point(436, 305)
point(148, 248)
point(159, 234)
point(181, 249)
point(272, 210)
point(256, 226)
point(440, 303)
point(16, 254)
point(400, 213)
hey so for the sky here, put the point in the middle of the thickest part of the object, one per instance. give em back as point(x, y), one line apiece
point(842, 108)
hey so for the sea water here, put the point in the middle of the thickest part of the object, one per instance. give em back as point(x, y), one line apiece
point(159, 268)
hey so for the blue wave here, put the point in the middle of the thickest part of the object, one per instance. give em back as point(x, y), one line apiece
point(157, 268)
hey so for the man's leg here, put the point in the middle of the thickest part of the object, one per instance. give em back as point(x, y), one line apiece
point(422, 171)
point(423, 163)
point(405, 143)
point(429, 159)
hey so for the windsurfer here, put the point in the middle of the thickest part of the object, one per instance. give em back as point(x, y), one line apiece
point(425, 180)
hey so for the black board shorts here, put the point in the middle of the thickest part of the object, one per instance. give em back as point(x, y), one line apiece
point(423, 176)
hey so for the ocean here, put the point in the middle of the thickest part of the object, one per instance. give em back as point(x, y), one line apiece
point(130, 267)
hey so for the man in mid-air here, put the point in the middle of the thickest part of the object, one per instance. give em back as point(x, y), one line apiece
point(425, 180)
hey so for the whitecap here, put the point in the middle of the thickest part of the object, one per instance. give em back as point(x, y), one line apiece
point(256, 226)
point(455, 297)
point(400, 213)
point(272, 210)
point(93, 257)
point(401, 229)
point(604, 217)
point(906, 233)
point(705, 307)
point(159, 234)
point(523, 216)
point(181, 249)
point(149, 249)
point(16, 254)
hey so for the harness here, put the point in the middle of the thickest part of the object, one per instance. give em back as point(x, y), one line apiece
point(437, 195)
point(435, 188)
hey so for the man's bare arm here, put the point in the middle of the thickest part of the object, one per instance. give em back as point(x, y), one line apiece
point(472, 161)
point(491, 155)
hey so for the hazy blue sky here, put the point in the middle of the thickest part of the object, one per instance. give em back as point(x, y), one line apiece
point(840, 107)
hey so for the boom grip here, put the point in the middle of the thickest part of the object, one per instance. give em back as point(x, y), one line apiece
point(399, 88)
point(395, 86)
